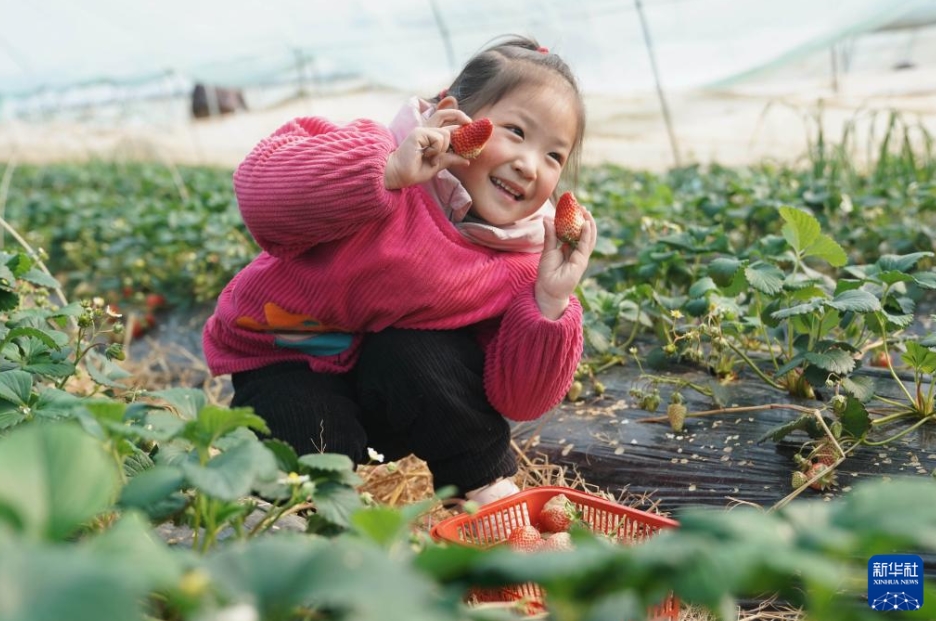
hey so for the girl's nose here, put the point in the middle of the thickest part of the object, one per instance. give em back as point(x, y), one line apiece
point(525, 166)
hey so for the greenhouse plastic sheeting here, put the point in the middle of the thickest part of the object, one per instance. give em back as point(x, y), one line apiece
point(53, 44)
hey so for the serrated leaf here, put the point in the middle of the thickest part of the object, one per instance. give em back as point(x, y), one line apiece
point(803, 423)
point(16, 386)
point(40, 278)
point(925, 280)
point(336, 502)
point(696, 307)
point(861, 388)
point(151, 486)
point(898, 321)
point(8, 300)
point(856, 300)
point(828, 249)
point(801, 229)
point(50, 369)
point(701, 287)
point(56, 478)
point(327, 462)
point(10, 415)
point(216, 421)
point(891, 277)
point(160, 426)
point(137, 462)
point(232, 474)
point(800, 309)
point(286, 458)
point(25, 331)
point(919, 357)
point(832, 360)
point(106, 410)
point(723, 269)
point(765, 277)
point(598, 336)
point(803, 233)
point(103, 371)
point(900, 263)
point(855, 418)
point(185, 401)
point(7, 277)
point(55, 403)
point(791, 364)
point(381, 524)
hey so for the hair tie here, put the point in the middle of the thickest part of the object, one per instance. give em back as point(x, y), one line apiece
point(542, 49)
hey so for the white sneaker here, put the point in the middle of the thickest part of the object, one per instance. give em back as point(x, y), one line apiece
point(493, 491)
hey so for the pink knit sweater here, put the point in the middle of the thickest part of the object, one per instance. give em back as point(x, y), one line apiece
point(343, 256)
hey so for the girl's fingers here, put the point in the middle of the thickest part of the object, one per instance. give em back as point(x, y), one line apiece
point(448, 116)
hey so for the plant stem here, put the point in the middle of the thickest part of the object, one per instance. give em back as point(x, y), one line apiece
point(892, 417)
point(734, 410)
point(754, 366)
point(890, 368)
point(900, 434)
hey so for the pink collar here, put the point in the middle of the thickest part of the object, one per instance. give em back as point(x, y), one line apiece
point(521, 236)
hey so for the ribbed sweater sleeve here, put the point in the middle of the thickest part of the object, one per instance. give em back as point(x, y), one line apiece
point(312, 181)
point(530, 360)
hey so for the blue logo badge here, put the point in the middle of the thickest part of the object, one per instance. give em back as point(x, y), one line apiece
point(895, 582)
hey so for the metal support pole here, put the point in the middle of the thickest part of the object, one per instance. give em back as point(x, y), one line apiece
point(446, 37)
point(656, 76)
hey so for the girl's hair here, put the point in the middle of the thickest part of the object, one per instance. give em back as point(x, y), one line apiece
point(502, 67)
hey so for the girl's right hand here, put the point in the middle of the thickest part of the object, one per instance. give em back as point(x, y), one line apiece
point(424, 152)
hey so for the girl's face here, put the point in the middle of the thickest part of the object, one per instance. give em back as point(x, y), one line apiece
point(534, 131)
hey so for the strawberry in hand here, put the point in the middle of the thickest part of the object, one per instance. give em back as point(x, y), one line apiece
point(468, 140)
point(563, 263)
point(570, 216)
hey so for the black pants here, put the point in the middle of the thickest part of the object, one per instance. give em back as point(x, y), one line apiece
point(414, 392)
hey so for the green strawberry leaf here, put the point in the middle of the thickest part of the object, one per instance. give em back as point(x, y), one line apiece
point(919, 357)
point(856, 300)
point(723, 270)
point(900, 263)
point(861, 388)
point(765, 277)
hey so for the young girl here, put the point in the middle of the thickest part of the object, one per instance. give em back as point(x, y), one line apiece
point(407, 299)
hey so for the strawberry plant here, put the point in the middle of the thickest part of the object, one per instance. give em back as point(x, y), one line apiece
point(123, 231)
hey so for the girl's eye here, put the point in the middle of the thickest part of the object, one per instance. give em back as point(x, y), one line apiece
point(515, 129)
point(557, 156)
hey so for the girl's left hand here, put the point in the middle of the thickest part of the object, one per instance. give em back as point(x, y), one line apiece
point(561, 267)
point(425, 151)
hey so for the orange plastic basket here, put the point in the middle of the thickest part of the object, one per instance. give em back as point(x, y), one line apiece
point(493, 523)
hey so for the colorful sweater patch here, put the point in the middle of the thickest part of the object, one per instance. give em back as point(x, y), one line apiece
point(297, 331)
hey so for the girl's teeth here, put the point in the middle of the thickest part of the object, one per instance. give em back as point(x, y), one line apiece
point(498, 183)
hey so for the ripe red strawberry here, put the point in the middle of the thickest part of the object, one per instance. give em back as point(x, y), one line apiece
point(525, 538)
point(558, 541)
point(557, 515)
point(881, 359)
point(155, 301)
point(569, 219)
point(825, 481)
point(468, 140)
